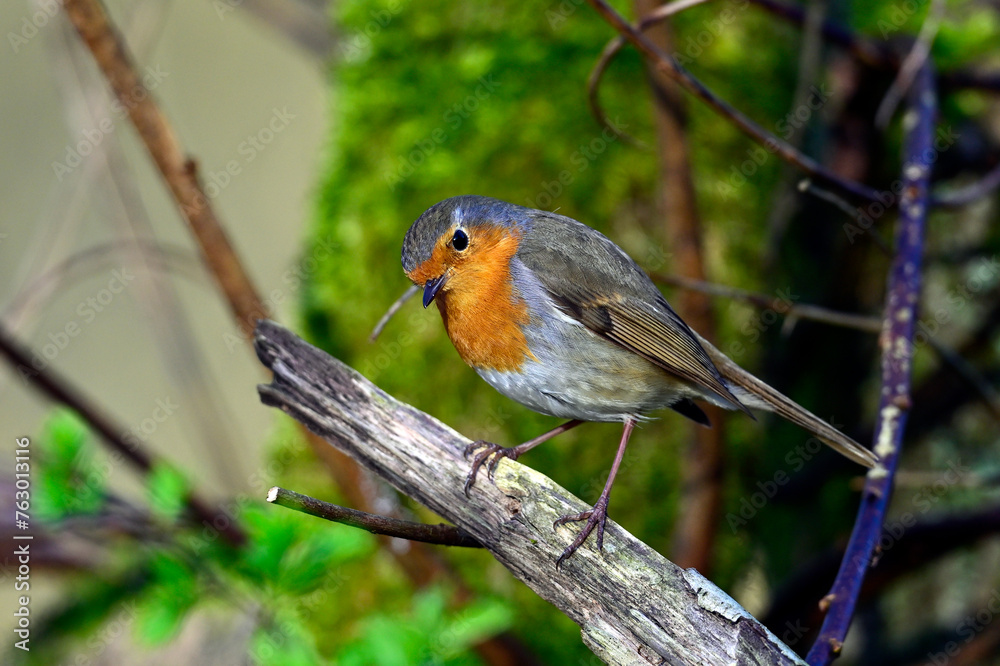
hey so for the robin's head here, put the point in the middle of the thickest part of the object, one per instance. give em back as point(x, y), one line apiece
point(460, 243)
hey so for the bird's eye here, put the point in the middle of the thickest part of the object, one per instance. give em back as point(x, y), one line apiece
point(460, 240)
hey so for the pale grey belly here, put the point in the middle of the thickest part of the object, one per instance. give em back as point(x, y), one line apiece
point(589, 379)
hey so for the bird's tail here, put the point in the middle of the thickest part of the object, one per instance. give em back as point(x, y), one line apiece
point(757, 395)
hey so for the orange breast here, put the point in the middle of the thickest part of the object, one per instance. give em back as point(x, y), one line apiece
point(481, 312)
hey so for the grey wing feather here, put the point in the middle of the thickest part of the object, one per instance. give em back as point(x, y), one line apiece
point(635, 317)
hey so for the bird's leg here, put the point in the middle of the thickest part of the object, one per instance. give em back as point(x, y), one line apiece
point(497, 452)
point(598, 515)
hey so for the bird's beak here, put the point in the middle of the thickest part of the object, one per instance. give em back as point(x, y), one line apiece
point(432, 287)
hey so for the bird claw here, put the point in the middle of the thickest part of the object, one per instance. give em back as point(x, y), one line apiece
point(491, 452)
point(596, 517)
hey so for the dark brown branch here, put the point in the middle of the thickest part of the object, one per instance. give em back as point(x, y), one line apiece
point(179, 172)
point(60, 389)
point(672, 69)
point(180, 176)
point(611, 49)
point(440, 535)
point(877, 54)
point(703, 458)
point(632, 605)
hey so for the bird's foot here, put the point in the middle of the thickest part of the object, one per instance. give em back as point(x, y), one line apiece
point(490, 452)
point(596, 517)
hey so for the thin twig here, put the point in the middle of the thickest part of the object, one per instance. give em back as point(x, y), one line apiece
point(987, 394)
point(912, 63)
point(441, 534)
point(900, 318)
point(393, 309)
point(611, 49)
point(874, 54)
point(877, 54)
point(61, 390)
point(779, 305)
point(970, 193)
point(809, 187)
point(172, 259)
point(773, 144)
point(608, 54)
point(785, 201)
point(950, 357)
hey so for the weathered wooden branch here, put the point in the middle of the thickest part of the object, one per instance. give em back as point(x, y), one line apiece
point(633, 605)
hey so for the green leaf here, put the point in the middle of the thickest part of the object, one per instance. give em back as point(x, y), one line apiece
point(285, 645)
point(161, 614)
point(168, 491)
point(69, 482)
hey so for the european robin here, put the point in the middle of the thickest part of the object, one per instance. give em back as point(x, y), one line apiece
point(554, 315)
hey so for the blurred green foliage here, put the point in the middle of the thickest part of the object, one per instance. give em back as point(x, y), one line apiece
point(295, 580)
point(434, 99)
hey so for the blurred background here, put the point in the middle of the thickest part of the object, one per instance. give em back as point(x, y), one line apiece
point(321, 131)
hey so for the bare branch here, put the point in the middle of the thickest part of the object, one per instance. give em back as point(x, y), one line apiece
point(912, 63)
point(441, 534)
point(970, 193)
point(671, 68)
point(608, 54)
point(801, 311)
point(632, 605)
point(58, 388)
point(179, 172)
point(900, 319)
